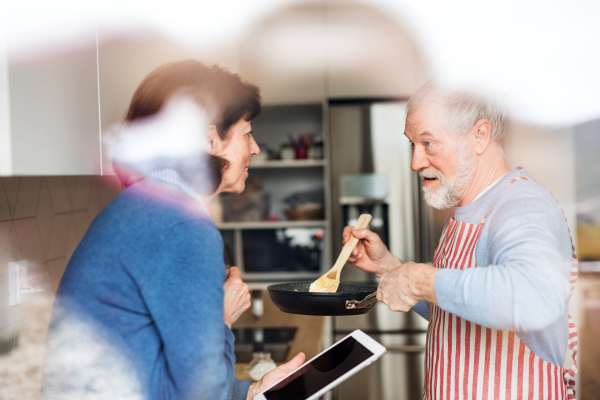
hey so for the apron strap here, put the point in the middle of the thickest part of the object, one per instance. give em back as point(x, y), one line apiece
point(483, 220)
point(569, 376)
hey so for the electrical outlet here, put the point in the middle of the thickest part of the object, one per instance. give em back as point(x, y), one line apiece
point(17, 277)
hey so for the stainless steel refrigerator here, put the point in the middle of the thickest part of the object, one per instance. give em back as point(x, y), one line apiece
point(368, 146)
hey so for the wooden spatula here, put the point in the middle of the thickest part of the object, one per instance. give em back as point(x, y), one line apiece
point(329, 282)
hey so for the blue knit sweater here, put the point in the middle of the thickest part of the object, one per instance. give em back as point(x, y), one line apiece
point(139, 310)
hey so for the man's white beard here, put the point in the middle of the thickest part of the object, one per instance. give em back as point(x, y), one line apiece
point(450, 191)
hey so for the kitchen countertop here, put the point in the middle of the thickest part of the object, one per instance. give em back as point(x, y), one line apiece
point(309, 334)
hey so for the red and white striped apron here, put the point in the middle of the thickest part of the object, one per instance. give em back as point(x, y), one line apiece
point(464, 360)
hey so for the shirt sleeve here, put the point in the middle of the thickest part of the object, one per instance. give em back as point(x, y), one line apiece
point(526, 286)
point(184, 295)
point(422, 309)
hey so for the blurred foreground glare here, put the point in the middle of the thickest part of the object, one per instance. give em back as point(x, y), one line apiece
point(177, 132)
point(541, 56)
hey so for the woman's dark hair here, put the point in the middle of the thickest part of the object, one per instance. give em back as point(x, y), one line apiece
point(222, 94)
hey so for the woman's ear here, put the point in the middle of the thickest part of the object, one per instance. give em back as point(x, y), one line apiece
point(213, 140)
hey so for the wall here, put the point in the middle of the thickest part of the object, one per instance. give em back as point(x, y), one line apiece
point(42, 219)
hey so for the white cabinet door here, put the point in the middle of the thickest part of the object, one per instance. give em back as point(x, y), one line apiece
point(54, 117)
point(49, 118)
point(5, 136)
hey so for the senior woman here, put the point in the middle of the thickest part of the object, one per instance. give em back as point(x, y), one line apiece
point(145, 307)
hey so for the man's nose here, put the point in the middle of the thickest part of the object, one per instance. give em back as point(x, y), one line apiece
point(419, 161)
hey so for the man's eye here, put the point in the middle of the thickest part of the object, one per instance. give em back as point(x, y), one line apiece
point(428, 144)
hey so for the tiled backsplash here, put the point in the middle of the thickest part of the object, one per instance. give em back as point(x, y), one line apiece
point(42, 219)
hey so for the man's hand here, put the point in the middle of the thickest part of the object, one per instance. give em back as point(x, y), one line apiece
point(273, 376)
point(370, 254)
point(404, 286)
point(237, 296)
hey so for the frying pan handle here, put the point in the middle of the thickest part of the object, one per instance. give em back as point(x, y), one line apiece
point(367, 302)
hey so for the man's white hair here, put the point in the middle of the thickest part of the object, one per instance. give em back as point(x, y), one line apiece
point(460, 109)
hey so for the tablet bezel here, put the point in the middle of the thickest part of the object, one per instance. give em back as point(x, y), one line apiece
point(370, 344)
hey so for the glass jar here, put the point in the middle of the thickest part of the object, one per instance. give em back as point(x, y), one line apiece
point(261, 364)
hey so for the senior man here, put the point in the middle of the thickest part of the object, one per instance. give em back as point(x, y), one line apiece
point(497, 294)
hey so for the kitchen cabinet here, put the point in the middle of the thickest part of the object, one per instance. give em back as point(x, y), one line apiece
point(277, 243)
point(332, 49)
point(54, 106)
point(5, 134)
point(285, 55)
point(50, 114)
point(369, 55)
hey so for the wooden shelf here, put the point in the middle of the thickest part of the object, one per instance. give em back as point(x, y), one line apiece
point(288, 164)
point(270, 224)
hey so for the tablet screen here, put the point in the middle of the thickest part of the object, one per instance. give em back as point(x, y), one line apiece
point(321, 371)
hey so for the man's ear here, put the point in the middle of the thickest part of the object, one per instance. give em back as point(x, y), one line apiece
point(213, 140)
point(483, 135)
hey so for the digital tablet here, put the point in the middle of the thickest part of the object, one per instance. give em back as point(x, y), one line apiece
point(327, 370)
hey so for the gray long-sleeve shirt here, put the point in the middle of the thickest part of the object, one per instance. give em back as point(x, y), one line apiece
point(523, 258)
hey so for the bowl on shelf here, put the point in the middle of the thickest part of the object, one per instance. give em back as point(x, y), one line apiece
point(305, 212)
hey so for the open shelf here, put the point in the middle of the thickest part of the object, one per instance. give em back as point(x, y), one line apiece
point(270, 224)
point(281, 250)
point(287, 163)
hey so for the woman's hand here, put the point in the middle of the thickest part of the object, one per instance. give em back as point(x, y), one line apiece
point(273, 376)
point(370, 254)
point(237, 296)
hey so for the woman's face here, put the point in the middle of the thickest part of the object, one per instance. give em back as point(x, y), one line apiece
point(237, 148)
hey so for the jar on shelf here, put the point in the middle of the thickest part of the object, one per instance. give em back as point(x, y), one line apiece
point(317, 148)
point(287, 152)
point(261, 364)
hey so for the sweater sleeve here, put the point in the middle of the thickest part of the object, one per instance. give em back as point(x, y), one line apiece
point(184, 295)
point(526, 286)
point(240, 389)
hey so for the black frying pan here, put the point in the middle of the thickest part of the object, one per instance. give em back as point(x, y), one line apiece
point(350, 299)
